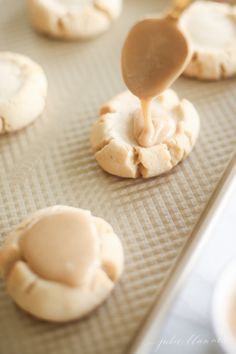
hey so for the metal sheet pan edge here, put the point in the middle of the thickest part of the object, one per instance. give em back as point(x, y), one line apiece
point(147, 333)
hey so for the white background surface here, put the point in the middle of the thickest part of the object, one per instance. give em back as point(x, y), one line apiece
point(188, 329)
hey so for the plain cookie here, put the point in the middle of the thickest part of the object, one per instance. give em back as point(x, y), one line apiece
point(23, 91)
point(73, 19)
point(61, 263)
point(113, 135)
point(211, 30)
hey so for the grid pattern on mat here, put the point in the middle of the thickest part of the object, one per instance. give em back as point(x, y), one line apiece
point(50, 162)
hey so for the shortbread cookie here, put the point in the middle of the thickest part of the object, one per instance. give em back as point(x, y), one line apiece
point(211, 29)
point(114, 135)
point(23, 90)
point(71, 19)
point(61, 263)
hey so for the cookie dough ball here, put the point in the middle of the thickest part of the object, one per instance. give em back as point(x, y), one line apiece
point(72, 19)
point(61, 263)
point(23, 90)
point(211, 30)
point(114, 135)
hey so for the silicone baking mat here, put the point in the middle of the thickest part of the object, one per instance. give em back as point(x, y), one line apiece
point(51, 162)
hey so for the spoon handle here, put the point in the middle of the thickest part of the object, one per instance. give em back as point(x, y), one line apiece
point(178, 8)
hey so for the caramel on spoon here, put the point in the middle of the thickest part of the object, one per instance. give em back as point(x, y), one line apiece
point(154, 54)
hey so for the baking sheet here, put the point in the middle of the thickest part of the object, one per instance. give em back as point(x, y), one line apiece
point(51, 162)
